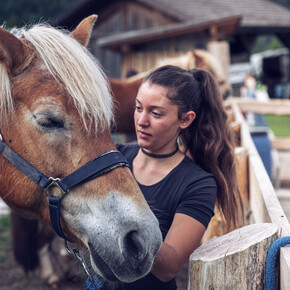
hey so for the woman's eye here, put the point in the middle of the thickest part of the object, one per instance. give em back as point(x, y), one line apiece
point(138, 108)
point(155, 114)
point(48, 122)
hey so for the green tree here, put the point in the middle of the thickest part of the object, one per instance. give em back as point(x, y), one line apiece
point(285, 3)
point(266, 42)
point(21, 12)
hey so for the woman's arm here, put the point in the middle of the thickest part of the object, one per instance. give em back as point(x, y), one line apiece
point(181, 240)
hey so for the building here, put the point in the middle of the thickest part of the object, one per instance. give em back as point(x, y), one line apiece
point(133, 34)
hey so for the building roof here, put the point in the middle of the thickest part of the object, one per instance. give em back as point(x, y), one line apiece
point(254, 13)
point(227, 25)
point(248, 17)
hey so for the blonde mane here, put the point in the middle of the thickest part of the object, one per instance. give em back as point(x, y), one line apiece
point(6, 103)
point(73, 67)
point(212, 62)
point(187, 61)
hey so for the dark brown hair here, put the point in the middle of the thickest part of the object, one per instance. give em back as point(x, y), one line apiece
point(209, 138)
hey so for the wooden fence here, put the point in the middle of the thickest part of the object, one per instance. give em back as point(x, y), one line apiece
point(273, 107)
point(236, 260)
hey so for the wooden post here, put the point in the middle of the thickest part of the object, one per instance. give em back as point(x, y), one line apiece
point(285, 268)
point(233, 261)
point(221, 50)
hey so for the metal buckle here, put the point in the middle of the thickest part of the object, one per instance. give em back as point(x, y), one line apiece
point(1, 138)
point(55, 182)
point(75, 252)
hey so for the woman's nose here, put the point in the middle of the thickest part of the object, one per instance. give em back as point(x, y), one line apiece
point(143, 119)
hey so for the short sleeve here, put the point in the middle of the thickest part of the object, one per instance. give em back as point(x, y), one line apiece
point(198, 200)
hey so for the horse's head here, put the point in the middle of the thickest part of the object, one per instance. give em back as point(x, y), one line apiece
point(55, 111)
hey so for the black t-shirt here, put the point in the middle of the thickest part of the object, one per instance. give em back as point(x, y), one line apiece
point(187, 189)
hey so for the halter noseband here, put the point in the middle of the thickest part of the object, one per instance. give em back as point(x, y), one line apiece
point(94, 168)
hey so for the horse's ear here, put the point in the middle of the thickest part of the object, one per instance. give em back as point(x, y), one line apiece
point(83, 31)
point(14, 53)
point(198, 59)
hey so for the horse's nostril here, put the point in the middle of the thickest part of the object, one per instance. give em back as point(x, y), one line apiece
point(133, 250)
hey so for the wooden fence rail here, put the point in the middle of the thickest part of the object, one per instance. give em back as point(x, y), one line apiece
point(273, 107)
point(236, 260)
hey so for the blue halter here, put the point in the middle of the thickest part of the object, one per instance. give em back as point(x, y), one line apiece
point(94, 168)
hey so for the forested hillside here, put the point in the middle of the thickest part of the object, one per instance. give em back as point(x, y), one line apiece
point(20, 12)
point(285, 3)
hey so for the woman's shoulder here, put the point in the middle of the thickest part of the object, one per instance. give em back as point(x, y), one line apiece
point(189, 171)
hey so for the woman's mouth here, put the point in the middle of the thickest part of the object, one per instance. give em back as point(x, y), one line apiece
point(143, 134)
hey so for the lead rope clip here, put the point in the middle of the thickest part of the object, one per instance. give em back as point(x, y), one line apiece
point(76, 253)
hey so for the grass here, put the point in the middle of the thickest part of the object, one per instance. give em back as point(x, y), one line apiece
point(5, 237)
point(280, 125)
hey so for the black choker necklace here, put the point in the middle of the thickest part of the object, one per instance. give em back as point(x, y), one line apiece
point(160, 155)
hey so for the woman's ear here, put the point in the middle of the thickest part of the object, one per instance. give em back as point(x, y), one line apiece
point(186, 119)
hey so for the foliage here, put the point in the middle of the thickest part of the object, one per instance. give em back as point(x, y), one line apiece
point(266, 42)
point(21, 12)
point(285, 3)
point(5, 238)
point(279, 124)
point(270, 41)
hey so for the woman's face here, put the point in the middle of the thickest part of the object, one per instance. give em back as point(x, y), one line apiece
point(156, 119)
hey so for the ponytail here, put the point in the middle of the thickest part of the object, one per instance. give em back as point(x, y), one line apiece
point(209, 140)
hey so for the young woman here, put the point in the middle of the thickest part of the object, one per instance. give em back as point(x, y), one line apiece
point(180, 113)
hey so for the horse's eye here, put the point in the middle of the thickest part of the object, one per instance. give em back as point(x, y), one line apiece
point(48, 121)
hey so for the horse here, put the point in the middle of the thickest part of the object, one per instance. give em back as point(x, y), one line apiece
point(125, 90)
point(58, 163)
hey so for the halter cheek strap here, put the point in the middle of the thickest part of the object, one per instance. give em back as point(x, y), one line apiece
point(22, 165)
point(97, 167)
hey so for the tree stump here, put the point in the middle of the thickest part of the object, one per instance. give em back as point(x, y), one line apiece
point(233, 261)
